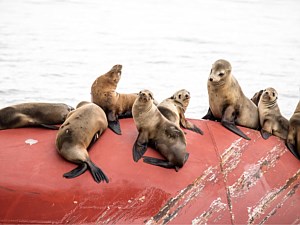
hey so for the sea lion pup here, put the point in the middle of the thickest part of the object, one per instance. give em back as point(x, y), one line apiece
point(33, 115)
point(293, 137)
point(173, 109)
point(271, 120)
point(76, 135)
point(115, 105)
point(227, 101)
point(256, 97)
point(156, 130)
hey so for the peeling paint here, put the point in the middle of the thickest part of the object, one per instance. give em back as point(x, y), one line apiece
point(184, 197)
point(216, 206)
point(264, 203)
point(250, 177)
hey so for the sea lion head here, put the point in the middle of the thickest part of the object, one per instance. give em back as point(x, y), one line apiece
point(256, 97)
point(269, 95)
point(114, 75)
point(82, 103)
point(220, 70)
point(145, 96)
point(182, 96)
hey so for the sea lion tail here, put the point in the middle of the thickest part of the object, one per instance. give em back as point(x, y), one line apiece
point(96, 172)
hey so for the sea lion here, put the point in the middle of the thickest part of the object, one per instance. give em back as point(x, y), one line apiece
point(271, 120)
point(256, 97)
point(293, 137)
point(227, 101)
point(76, 135)
point(115, 105)
point(156, 130)
point(173, 109)
point(33, 115)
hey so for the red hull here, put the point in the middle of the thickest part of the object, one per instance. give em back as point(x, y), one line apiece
point(226, 180)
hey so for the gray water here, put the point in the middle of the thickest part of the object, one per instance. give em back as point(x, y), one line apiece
point(53, 50)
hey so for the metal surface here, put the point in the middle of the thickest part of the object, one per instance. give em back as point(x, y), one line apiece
point(226, 180)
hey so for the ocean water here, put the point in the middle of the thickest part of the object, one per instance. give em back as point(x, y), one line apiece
point(53, 50)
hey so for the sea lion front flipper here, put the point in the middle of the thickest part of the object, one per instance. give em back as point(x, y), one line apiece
point(210, 116)
point(52, 127)
point(228, 122)
point(265, 134)
point(159, 162)
point(140, 146)
point(187, 124)
point(77, 171)
point(292, 149)
point(96, 172)
point(113, 123)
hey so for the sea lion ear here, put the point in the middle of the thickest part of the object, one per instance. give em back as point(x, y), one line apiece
point(172, 97)
point(151, 96)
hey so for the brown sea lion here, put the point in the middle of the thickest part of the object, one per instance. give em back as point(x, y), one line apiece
point(293, 137)
point(227, 101)
point(173, 109)
point(154, 129)
point(33, 115)
point(76, 135)
point(115, 105)
point(271, 120)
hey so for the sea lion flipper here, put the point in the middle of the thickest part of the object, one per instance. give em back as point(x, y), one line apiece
point(115, 126)
point(232, 127)
point(139, 147)
point(209, 116)
point(292, 149)
point(95, 138)
point(265, 134)
point(77, 171)
point(52, 127)
point(97, 173)
point(187, 124)
point(159, 162)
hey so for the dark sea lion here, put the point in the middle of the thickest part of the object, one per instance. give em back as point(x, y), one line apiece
point(173, 109)
point(33, 115)
point(271, 120)
point(256, 97)
point(293, 137)
point(76, 135)
point(115, 105)
point(227, 101)
point(154, 129)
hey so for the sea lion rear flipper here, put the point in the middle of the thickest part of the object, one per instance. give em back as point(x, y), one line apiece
point(77, 171)
point(159, 162)
point(292, 149)
point(139, 147)
point(97, 173)
point(52, 127)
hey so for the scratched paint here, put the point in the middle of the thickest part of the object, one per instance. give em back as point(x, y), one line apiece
point(172, 208)
point(216, 206)
point(255, 172)
point(268, 198)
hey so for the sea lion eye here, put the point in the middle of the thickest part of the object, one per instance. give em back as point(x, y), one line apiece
point(179, 96)
point(221, 74)
point(273, 94)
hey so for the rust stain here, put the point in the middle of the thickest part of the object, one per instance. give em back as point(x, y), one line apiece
point(216, 206)
point(184, 197)
point(264, 203)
